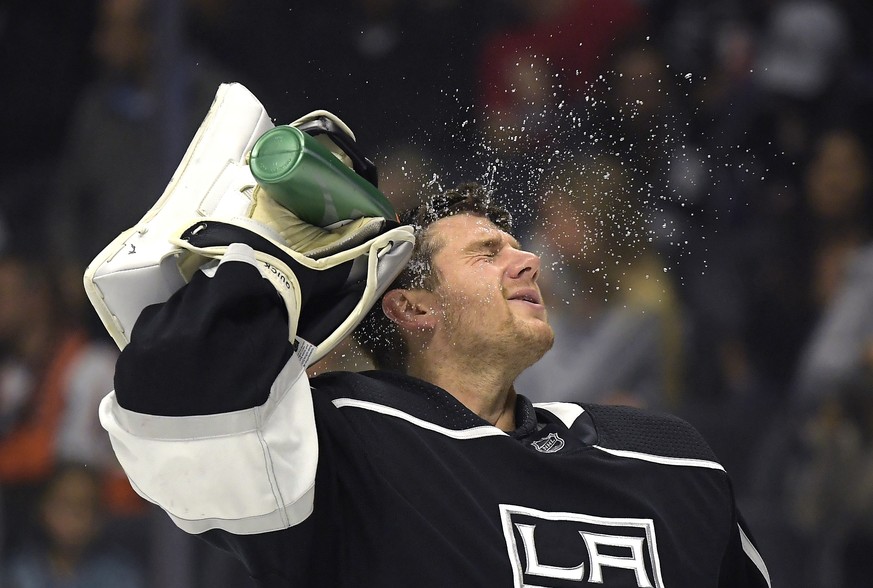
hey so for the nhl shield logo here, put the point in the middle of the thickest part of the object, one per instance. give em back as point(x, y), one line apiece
point(549, 444)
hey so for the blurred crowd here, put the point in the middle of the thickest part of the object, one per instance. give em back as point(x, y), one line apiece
point(695, 175)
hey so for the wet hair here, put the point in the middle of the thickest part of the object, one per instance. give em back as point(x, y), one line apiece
point(377, 335)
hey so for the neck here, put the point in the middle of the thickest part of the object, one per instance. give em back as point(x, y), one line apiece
point(482, 386)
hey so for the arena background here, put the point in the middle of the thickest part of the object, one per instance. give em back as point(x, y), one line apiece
point(698, 170)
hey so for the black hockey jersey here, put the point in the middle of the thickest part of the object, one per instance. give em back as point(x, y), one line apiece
point(380, 479)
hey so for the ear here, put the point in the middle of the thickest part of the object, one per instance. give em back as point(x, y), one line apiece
point(411, 310)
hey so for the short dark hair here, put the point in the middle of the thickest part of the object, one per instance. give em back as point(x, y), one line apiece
point(377, 335)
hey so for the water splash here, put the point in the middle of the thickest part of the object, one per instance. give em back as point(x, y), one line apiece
point(542, 138)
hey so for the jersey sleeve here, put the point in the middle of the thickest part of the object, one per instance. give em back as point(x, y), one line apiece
point(209, 393)
point(742, 565)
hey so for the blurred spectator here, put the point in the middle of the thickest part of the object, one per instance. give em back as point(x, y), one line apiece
point(534, 72)
point(841, 347)
point(815, 463)
point(702, 38)
point(804, 76)
point(762, 114)
point(795, 264)
point(804, 48)
point(52, 378)
point(66, 549)
point(617, 318)
point(838, 187)
point(642, 113)
point(128, 131)
point(44, 65)
point(813, 498)
point(829, 489)
point(574, 38)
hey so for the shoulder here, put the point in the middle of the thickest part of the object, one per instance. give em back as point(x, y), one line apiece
point(358, 385)
point(626, 429)
point(394, 394)
point(374, 385)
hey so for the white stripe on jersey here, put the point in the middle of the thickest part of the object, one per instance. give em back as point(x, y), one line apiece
point(567, 412)
point(474, 433)
point(676, 461)
point(754, 555)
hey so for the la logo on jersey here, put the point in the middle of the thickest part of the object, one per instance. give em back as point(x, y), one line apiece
point(604, 551)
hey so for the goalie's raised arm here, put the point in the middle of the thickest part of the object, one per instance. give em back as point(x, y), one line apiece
point(207, 378)
point(216, 356)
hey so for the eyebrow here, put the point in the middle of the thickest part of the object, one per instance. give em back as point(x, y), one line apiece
point(493, 241)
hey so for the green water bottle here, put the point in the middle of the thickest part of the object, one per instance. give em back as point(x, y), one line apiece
point(302, 175)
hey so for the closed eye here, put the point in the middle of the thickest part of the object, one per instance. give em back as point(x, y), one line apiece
point(489, 247)
point(484, 250)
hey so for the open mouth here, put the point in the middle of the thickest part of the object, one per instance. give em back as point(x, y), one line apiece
point(527, 295)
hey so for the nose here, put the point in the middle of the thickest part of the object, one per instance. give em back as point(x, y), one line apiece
point(525, 264)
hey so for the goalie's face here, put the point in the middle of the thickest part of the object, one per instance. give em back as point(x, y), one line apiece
point(486, 299)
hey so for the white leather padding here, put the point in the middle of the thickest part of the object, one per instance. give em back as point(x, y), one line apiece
point(249, 471)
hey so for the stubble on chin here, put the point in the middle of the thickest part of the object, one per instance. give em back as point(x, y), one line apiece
point(534, 340)
point(521, 343)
